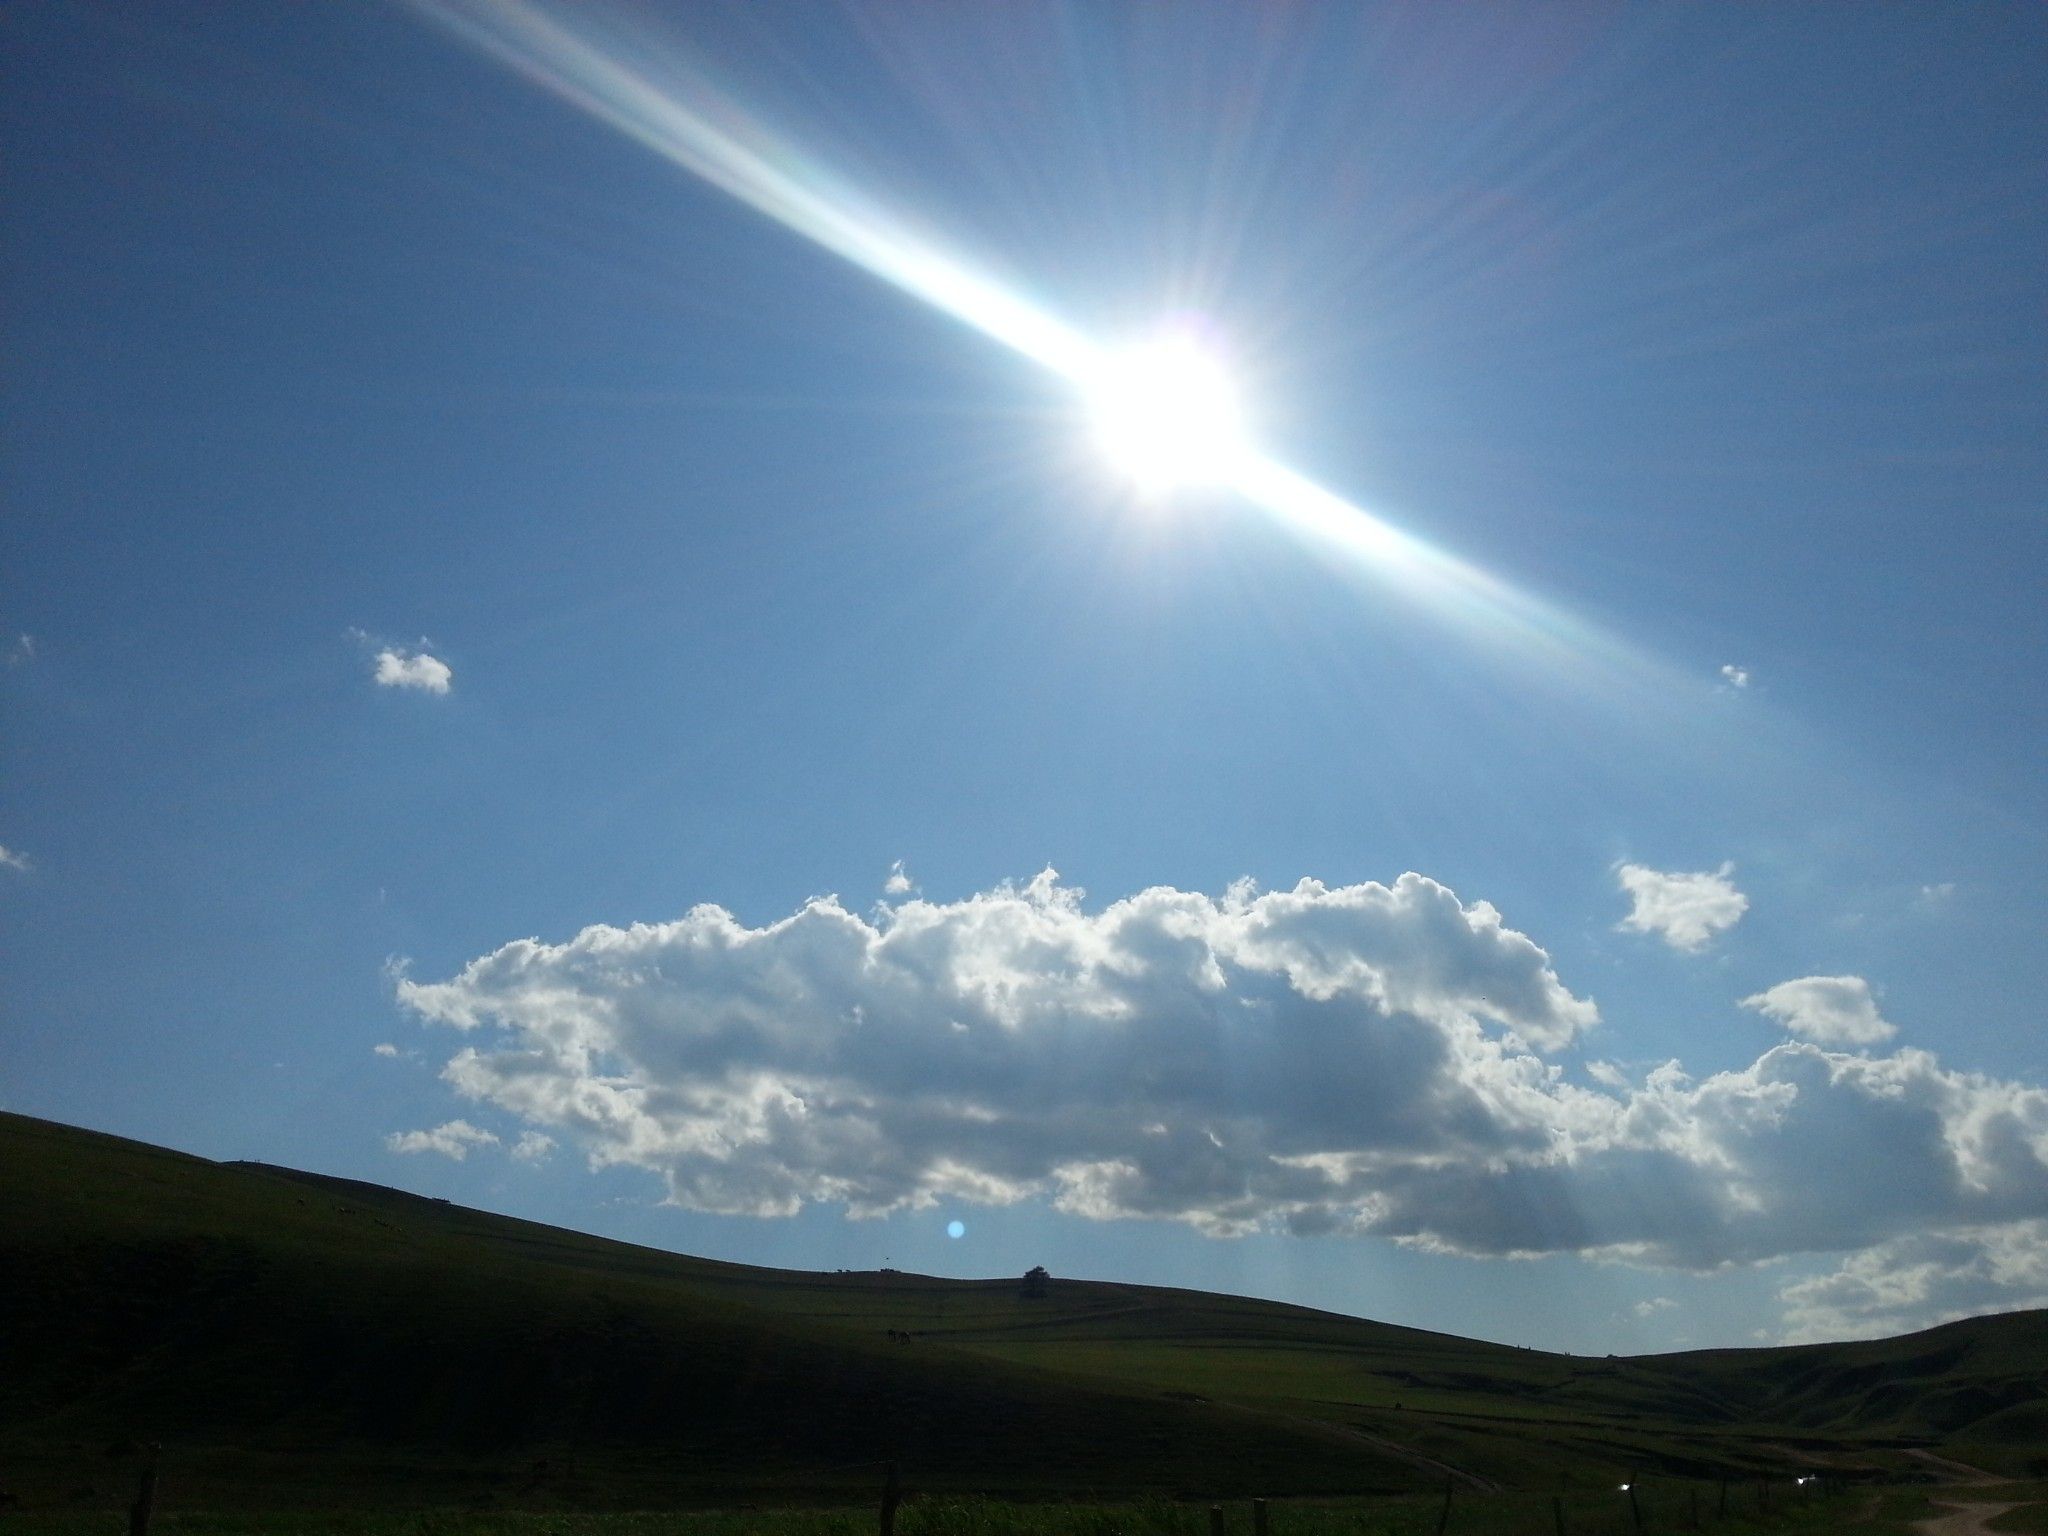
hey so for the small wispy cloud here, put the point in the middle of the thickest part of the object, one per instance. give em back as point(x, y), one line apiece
point(22, 651)
point(899, 882)
point(533, 1147)
point(1734, 676)
point(1687, 909)
point(1829, 1010)
point(14, 859)
point(1654, 1305)
point(404, 666)
point(401, 668)
point(386, 1049)
point(456, 1140)
point(1938, 895)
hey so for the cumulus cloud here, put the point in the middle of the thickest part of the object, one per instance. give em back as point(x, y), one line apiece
point(1735, 677)
point(14, 859)
point(1920, 1281)
point(400, 667)
point(899, 882)
point(1833, 1010)
point(1687, 910)
point(1367, 1059)
point(455, 1139)
point(1174, 1054)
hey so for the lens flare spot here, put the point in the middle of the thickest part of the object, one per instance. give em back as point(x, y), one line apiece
point(1166, 414)
point(956, 1229)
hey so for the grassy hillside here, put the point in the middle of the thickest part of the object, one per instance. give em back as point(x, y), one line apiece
point(298, 1339)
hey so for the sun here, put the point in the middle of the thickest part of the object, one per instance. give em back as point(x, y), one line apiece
point(1166, 414)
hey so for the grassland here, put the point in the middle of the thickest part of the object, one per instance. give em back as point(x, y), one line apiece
point(298, 1342)
point(1661, 1508)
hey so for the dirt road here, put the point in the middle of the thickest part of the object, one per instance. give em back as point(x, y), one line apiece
point(1962, 1518)
point(1956, 1471)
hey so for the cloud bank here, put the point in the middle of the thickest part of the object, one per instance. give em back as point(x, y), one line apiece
point(1921, 1281)
point(1366, 1059)
point(1687, 911)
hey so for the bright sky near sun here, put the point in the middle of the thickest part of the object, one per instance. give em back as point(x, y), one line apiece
point(1382, 655)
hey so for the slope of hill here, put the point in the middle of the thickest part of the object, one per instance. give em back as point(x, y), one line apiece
point(296, 1338)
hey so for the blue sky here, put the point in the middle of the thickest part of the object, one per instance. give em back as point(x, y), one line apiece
point(439, 520)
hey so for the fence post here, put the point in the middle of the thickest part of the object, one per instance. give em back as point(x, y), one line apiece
point(1443, 1521)
point(1635, 1510)
point(892, 1494)
point(1258, 1517)
point(1693, 1508)
point(1721, 1510)
point(145, 1496)
point(1215, 1520)
point(1557, 1512)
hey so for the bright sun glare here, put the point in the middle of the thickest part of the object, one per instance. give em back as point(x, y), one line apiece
point(1166, 414)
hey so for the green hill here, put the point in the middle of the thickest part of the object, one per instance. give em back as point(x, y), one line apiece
point(295, 1339)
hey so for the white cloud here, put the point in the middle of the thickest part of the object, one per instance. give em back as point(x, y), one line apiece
point(899, 882)
point(1832, 1010)
point(533, 1147)
point(1654, 1305)
point(400, 667)
point(21, 652)
point(1012, 1044)
point(1920, 1281)
point(1366, 1059)
point(1687, 910)
point(386, 1049)
point(1936, 896)
point(1735, 677)
point(454, 1139)
point(14, 859)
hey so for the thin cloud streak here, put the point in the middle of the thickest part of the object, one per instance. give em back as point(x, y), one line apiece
point(456, 1139)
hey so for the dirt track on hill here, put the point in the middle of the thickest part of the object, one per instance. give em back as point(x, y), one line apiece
point(1958, 1471)
point(1962, 1519)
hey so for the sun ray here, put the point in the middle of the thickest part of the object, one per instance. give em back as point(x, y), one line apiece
point(1194, 434)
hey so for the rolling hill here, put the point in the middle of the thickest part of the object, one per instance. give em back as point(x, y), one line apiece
point(293, 1339)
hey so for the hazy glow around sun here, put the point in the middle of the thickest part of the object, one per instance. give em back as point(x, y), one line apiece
point(1167, 415)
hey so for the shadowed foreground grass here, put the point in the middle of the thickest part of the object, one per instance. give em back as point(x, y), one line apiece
point(1664, 1507)
point(300, 1342)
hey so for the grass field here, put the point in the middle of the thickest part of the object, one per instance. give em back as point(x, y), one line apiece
point(303, 1342)
point(1661, 1507)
